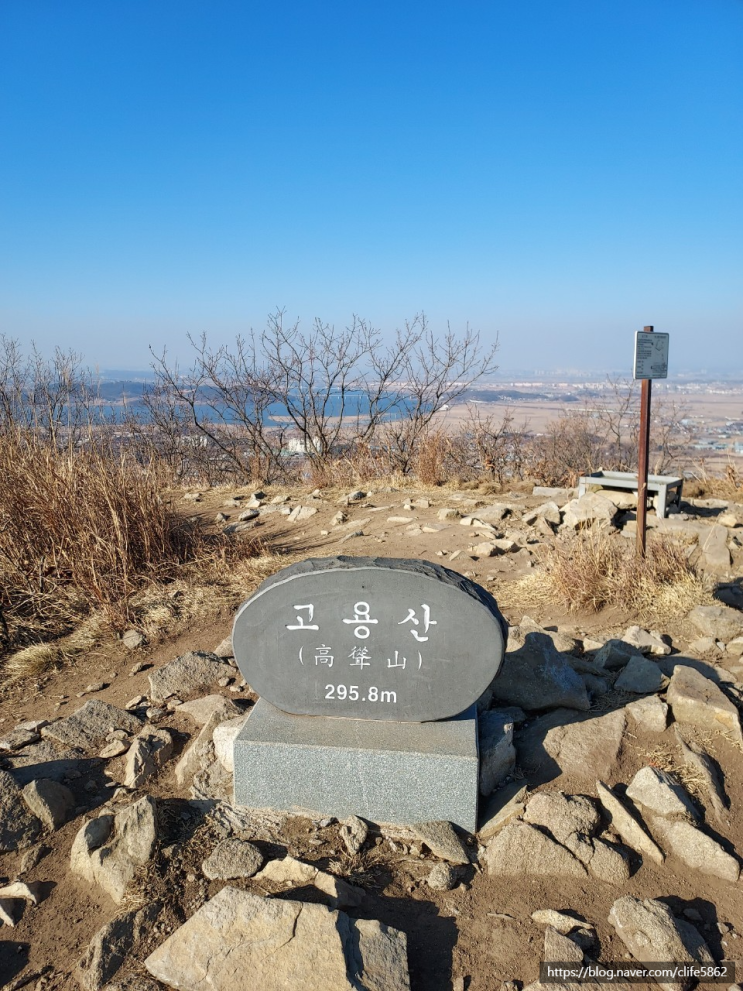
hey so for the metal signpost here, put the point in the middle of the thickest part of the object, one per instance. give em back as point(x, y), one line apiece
point(651, 362)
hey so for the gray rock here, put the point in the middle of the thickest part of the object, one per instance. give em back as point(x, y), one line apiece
point(223, 737)
point(301, 513)
point(353, 831)
point(187, 674)
point(147, 753)
point(697, 758)
point(595, 686)
point(590, 509)
point(87, 728)
point(249, 514)
point(497, 752)
point(504, 806)
point(614, 654)
point(560, 742)
point(442, 841)
point(660, 792)
point(108, 850)
point(696, 700)
point(558, 948)
point(562, 642)
point(646, 642)
point(718, 622)
point(110, 946)
point(212, 782)
point(651, 933)
point(200, 710)
point(715, 554)
point(18, 827)
point(443, 877)
point(290, 871)
point(628, 827)
point(535, 676)
point(569, 818)
point(232, 858)
point(223, 649)
point(49, 801)
point(280, 944)
point(695, 848)
point(608, 863)
point(201, 751)
point(23, 734)
point(522, 849)
point(133, 639)
point(548, 511)
point(650, 714)
point(562, 922)
point(640, 676)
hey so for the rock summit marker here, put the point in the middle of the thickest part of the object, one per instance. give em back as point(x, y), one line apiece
point(369, 638)
point(368, 671)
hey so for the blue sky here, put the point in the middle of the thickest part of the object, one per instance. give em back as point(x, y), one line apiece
point(558, 173)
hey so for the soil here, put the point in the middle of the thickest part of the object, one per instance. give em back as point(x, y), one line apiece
point(481, 930)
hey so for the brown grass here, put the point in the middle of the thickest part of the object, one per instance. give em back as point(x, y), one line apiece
point(596, 569)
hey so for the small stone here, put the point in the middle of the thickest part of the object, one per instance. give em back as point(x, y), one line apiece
point(232, 858)
point(563, 922)
point(132, 639)
point(650, 714)
point(640, 676)
point(646, 642)
point(49, 801)
point(442, 841)
point(135, 702)
point(443, 877)
point(114, 749)
point(353, 831)
point(18, 827)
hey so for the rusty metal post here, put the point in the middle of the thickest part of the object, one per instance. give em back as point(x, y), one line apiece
point(642, 461)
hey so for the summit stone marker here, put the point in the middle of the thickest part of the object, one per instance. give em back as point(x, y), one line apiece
point(368, 671)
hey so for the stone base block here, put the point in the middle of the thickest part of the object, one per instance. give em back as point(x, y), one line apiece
point(382, 771)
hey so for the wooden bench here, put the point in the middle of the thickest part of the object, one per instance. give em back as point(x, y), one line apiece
point(661, 484)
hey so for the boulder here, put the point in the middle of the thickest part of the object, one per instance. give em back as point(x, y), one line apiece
point(187, 674)
point(651, 933)
point(19, 828)
point(49, 801)
point(640, 677)
point(695, 848)
point(442, 841)
point(650, 714)
point(110, 946)
point(232, 858)
point(580, 747)
point(660, 792)
point(108, 850)
point(696, 700)
point(718, 622)
point(87, 728)
point(497, 752)
point(628, 827)
point(614, 654)
point(589, 510)
point(535, 676)
point(646, 642)
point(548, 511)
point(279, 944)
point(522, 849)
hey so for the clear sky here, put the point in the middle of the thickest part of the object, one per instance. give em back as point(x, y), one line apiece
point(558, 172)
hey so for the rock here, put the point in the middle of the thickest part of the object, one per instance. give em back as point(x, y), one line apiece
point(87, 728)
point(520, 848)
point(595, 686)
point(442, 841)
point(19, 828)
point(108, 850)
point(110, 946)
point(443, 877)
point(650, 714)
point(589, 510)
point(562, 922)
point(640, 676)
point(553, 492)
point(627, 826)
point(201, 751)
point(608, 863)
point(301, 513)
point(113, 749)
point(353, 831)
point(223, 649)
point(224, 740)
point(32, 857)
point(232, 858)
point(715, 554)
point(504, 806)
point(291, 871)
point(646, 642)
point(497, 752)
point(535, 676)
point(485, 549)
point(660, 792)
point(212, 782)
point(651, 933)
point(186, 674)
point(695, 848)
point(718, 622)
point(280, 944)
point(448, 514)
point(614, 654)
point(735, 647)
point(147, 753)
point(49, 801)
point(704, 645)
point(132, 639)
point(696, 700)
point(548, 511)
point(562, 642)
point(569, 818)
point(239, 527)
point(250, 514)
point(697, 758)
point(22, 891)
point(23, 734)
point(580, 747)
point(356, 496)
point(558, 948)
point(201, 710)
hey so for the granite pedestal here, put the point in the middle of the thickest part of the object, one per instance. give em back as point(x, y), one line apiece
point(397, 772)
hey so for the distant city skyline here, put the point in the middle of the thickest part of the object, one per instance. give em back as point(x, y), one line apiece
point(556, 174)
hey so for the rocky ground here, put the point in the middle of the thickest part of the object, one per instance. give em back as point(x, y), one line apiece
point(611, 779)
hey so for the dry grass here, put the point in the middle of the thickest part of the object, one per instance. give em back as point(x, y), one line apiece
point(596, 569)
